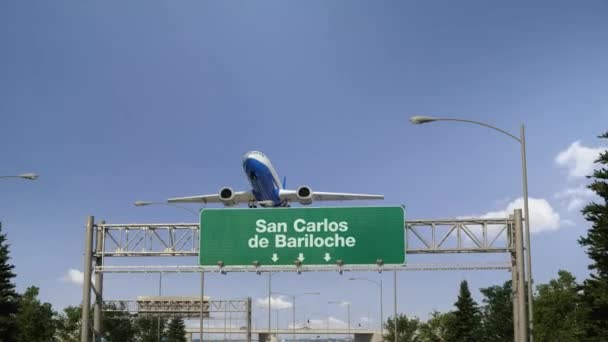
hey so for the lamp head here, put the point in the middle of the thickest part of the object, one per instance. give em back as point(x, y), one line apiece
point(30, 176)
point(141, 203)
point(419, 119)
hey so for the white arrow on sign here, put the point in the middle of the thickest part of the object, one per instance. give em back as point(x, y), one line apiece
point(327, 257)
point(274, 257)
point(301, 257)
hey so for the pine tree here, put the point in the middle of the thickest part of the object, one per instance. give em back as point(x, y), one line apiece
point(465, 325)
point(176, 330)
point(9, 299)
point(595, 289)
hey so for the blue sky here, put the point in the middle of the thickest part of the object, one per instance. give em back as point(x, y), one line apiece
point(113, 102)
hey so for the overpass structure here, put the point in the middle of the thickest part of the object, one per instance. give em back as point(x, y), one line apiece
point(358, 335)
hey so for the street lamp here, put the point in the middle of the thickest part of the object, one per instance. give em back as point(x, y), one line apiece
point(347, 304)
point(417, 120)
point(380, 286)
point(28, 176)
point(293, 301)
point(145, 203)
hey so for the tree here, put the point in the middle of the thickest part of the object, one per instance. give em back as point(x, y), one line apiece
point(69, 324)
point(407, 329)
point(9, 299)
point(118, 325)
point(36, 320)
point(497, 312)
point(558, 315)
point(435, 329)
point(595, 289)
point(149, 328)
point(176, 330)
point(466, 323)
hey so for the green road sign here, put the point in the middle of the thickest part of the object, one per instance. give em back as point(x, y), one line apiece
point(314, 236)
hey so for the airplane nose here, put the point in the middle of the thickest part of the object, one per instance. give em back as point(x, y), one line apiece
point(246, 156)
point(247, 162)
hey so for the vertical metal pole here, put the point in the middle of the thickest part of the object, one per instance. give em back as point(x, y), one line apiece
point(97, 323)
point(381, 310)
point(269, 306)
point(225, 315)
point(524, 175)
point(86, 285)
point(348, 314)
point(160, 291)
point(521, 308)
point(200, 327)
point(293, 327)
point(249, 319)
point(395, 289)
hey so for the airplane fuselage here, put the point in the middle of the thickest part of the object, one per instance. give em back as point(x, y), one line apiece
point(265, 182)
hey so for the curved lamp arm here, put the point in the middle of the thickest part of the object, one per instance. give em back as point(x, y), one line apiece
point(418, 120)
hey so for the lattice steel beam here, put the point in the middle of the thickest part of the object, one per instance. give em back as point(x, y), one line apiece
point(423, 237)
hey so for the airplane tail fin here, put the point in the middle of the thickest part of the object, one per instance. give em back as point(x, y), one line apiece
point(284, 182)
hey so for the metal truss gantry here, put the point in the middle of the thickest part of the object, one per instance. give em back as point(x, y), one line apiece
point(423, 237)
point(480, 236)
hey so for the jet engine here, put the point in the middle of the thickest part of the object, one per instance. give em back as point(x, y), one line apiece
point(227, 196)
point(304, 194)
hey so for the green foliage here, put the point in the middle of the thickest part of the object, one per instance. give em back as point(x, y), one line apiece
point(595, 289)
point(36, 320)
point(9, 299)
point(407, 329)
point(497, 312)
point(118, 325)
point(69, 324)
point(149, 328)
point(176, 330)
point(435, 329)
point(465, 325)
point(558, 315)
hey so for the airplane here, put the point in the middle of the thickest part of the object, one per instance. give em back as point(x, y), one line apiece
point(267, 189)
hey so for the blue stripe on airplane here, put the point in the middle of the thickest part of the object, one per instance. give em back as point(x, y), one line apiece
point(262, 181)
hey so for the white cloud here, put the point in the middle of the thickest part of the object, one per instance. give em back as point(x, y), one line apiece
point(74, 276)
point(578, 159)
point(276, 303)
point(575, 198)
point(365, 319)
point(542, 216)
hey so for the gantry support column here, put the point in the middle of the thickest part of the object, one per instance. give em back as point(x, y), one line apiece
point(248, 308)
point(86, 285)
point(97, 308)
point(514, 277)
point(522, 332)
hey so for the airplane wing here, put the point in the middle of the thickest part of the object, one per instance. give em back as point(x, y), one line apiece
point(339, 196)
point(238, 197)
point(292, 196)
